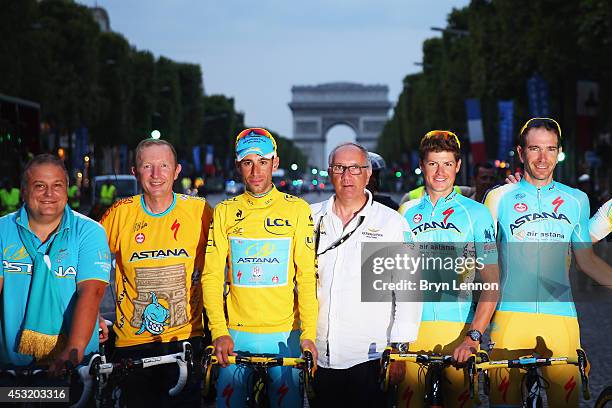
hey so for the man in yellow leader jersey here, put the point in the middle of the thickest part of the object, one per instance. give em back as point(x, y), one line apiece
point(266, 239)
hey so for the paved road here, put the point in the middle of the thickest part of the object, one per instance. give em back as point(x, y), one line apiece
point(595, 315)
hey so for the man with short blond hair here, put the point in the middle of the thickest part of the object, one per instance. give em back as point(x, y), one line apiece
point(159, 239)
point(451, 325)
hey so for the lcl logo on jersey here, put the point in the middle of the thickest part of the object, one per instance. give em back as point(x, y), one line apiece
point(417, 218)
point(277, 226)
point(139, 238)
point(277, 222)
point(520, 207)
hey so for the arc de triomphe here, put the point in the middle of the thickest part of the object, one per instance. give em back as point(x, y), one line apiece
point(317, 108)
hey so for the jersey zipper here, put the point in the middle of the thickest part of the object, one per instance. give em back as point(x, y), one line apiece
point(537, 303)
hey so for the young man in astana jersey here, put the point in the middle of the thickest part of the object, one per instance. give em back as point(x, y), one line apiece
point(450, 325)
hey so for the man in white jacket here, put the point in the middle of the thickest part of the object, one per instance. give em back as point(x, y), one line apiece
point(352, 334)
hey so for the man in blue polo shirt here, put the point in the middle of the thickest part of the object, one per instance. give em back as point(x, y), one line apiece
point(55, 268)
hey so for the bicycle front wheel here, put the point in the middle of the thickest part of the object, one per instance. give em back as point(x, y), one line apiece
point(604, 398)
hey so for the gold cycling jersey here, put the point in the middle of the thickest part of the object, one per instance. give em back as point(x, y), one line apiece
point(158, 275)
point(267, 244)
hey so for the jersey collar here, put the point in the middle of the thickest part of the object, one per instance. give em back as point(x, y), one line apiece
point(442, 201)
point(533, 189)
point(261, 202)
point(144, 206)
point(23, 219)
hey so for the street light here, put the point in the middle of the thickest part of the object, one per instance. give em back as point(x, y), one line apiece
point(294, 167)
point(455, 31)
point(156, 134)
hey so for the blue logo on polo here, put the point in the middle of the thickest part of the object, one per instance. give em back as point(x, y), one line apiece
point(260, 262)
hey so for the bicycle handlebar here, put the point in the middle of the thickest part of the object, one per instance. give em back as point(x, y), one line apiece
point(97, 369)
point(427, 359)
point(531, 362)
point(30, 372)
point(305, 363)
point(23, 372)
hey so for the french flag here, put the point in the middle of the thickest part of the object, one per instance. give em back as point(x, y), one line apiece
point(475, 133)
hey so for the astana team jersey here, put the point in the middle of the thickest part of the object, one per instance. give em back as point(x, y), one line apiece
point(159, 258)
point(469, 226)
point(601, 223)
point(83, 256)
point(537, 229)
point(267, 244)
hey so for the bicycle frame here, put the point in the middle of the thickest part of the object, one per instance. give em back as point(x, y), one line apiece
point(260, 364)
point(530, 365)
point(101, 372)
point(435, 372)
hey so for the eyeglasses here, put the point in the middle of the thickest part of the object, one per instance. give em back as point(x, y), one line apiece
point(255, 132)
point(445, 134)
point(540, 122)
point(354, 169)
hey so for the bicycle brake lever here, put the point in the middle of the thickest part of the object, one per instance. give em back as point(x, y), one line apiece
point(384, 369)
point(583, 363)
point(86, 373)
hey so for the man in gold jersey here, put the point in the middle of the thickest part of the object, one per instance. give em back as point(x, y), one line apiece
point(159, 240)
point(266, 239)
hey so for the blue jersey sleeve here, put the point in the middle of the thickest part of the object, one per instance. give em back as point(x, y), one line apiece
point(94, 255)
point(1, 260)
point(580, 236)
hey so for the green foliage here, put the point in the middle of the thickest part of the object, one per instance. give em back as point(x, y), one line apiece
point(288, 153)
point(54, 53)
point(221, 125)
point(490, 50)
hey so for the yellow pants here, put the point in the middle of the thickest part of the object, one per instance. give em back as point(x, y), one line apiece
point(518, 334)
point(442, 338)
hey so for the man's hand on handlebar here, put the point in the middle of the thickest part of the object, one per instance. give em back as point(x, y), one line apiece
point(224, 347)
point(309, 345)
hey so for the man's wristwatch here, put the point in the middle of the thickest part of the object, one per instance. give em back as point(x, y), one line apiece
point(401, 347)
point(474, 335)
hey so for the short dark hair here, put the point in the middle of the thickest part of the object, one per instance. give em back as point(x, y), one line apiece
point(153, 142)
point(440, 141)
point(38, 160)
point(534, 123)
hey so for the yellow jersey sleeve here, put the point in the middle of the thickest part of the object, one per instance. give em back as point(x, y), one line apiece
point(305, 273)
point(214, 273)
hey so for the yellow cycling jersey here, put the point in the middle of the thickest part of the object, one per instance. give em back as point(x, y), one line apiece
point(159, 262)
point(267, 244)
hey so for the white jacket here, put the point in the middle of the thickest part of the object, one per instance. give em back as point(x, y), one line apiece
point(349, 331)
